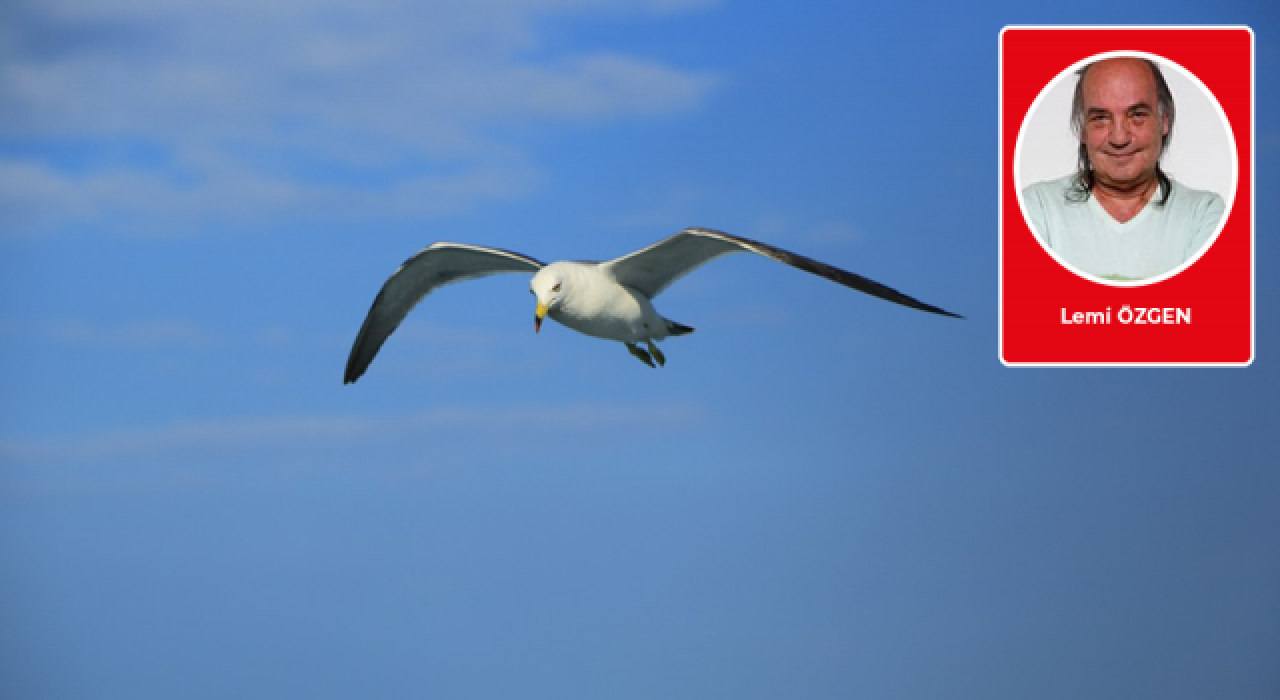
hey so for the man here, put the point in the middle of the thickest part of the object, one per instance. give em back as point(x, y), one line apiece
point(1120, 216)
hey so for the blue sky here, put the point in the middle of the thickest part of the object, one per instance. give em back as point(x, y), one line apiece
point(821, 495)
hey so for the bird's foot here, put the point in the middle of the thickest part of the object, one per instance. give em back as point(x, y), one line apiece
point(657, 354)
point(640, 354)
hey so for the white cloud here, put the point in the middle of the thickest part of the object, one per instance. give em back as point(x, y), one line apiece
point(38, 198)
point(245, 435)
point(178, 437)
point(143, 334)
point(161, 111)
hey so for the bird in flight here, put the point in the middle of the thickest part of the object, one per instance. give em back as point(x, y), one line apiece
point(611, 300)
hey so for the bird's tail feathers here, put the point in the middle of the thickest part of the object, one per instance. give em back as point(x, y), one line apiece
point(674, 328)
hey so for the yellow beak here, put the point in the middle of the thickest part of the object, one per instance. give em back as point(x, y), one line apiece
point(539, 314)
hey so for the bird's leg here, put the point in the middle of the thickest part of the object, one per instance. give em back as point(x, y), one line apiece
point(640, 353)
point(657, 354)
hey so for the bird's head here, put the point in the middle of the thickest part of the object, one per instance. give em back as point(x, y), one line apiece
point(548, 288)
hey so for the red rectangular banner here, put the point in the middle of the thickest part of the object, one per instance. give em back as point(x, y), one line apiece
point(1126, 196)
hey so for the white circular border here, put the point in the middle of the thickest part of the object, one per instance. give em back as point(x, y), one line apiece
point(1222, 117)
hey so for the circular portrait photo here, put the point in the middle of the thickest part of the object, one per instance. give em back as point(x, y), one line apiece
point(1125, 167)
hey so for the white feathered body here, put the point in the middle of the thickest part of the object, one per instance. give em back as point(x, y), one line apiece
point(592, 302)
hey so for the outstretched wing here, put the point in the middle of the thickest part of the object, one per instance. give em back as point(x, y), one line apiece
point(434, 266)
point(652, 269)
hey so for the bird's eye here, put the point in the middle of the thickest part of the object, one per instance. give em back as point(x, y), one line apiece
point(556, 288)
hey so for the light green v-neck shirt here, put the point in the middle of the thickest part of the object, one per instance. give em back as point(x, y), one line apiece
point(1157, 240)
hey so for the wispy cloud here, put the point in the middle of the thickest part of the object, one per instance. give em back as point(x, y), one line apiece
point(238, 435)
point(179, 437)
point(160, 111)
point(141, 334)
point(132, 199)
point(175, 332)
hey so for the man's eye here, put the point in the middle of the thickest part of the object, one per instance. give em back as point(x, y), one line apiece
point(556, 288)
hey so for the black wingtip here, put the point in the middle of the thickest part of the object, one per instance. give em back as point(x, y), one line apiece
point(352, 372)
point(941, 312)
point(821, 269)
point(890, 294)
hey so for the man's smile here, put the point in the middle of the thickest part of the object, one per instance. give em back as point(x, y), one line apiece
point(1122, 157)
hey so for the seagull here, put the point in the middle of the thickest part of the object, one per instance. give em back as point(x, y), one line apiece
point(611, 300)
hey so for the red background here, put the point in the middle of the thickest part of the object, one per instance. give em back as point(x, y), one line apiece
point(1217, 287)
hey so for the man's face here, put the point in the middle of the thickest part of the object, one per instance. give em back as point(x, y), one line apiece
point(1123, 127)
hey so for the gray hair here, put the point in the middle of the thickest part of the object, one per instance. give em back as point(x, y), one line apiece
point(1083, 183)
